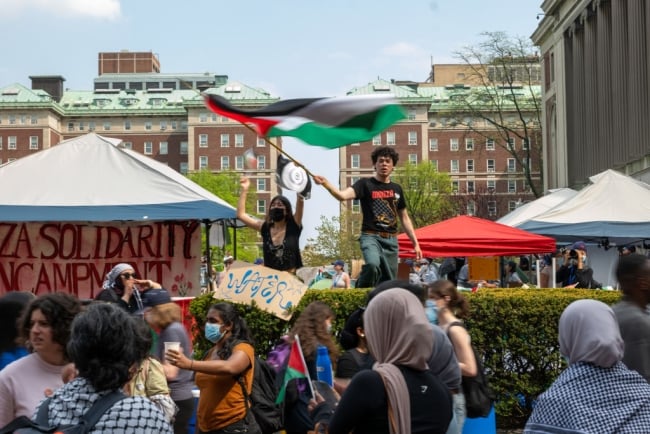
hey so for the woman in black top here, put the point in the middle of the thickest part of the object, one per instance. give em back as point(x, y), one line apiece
point(356, 356)
point(280, 229)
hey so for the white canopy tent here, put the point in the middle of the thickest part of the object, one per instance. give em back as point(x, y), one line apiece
point(530, 210)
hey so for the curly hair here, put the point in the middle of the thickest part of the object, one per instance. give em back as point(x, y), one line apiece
point(164, 314)
point(312, 331)
point(104, 347)
point(239, 332)
point(384, 151)
point(59, 309)
point(446, 288)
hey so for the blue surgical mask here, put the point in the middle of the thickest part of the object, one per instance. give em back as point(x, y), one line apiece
point(431, 310)
point(213, 332)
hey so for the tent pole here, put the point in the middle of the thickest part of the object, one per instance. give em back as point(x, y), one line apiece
point(208, 252)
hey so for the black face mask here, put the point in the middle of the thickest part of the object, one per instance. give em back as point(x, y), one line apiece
point(277, 214)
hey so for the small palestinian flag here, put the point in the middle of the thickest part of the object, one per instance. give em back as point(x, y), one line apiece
point(296, 368)
point(327, 122)
point(250, 160)
point(293, 177)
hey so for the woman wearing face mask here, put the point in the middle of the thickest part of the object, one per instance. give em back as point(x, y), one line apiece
point(280, 229)
point(222, 407)
point(314, 327)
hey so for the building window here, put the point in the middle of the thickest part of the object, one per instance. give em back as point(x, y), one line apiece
point(34, 119)
point(261, 206)
point(0, 142)
point(261, 142)
point(261, 162)
point(127, 124)
point(471, 208)
point(183, 168)
point(356, 206)
point(91, 126)
point(164, 148)
point(453, 144)
point(70, 126)
point(412, 114)
point(491, 185)
point(147, 125)
point(107, 126)
point(174, 125)
point(183, 149)
point(511, 143)
point(261, 184)
point(82, 126)
point(492, 208)
point(512, 205)
point(239, 140)
point(225, 140)
point(413, 158)
point(33, 142)
point(184, 125)
point(225, 162)
point(471, 187)
point(239, 162)
point(413, 138)
point(11, 142)
point(454, 186)
point(489, 144)
point(470, 166)
point(148, 148)
point(525, 143)
point(469, 144)
point(12, 119)
point(512, 165)
point(163, 125)
point(203, 117)
point(127, 145)
point(454, 166)
point(434, 164)
point(203, 140)
point(433, 145)
point(355, 161)
point(390, 138)
point(512, 186)
point(203, 163)
point(490, 165)
point(376, 141)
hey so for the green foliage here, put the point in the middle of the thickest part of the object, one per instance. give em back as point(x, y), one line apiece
point(225, 185)
point(333, 241)
point(427, 193)
point(515, 331)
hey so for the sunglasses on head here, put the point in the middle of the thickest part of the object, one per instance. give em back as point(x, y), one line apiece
point(128, 275)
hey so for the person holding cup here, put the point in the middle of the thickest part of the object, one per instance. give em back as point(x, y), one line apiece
point(164, 317)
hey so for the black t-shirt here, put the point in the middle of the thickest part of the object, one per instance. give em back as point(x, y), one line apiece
point(285, 256)
point(380, 202)
point(364, 408)
point(353, 361)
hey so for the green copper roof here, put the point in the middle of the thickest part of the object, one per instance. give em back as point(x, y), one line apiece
point(17, 93)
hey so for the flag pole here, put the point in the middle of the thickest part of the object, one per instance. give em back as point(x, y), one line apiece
point(282, 151)
point(311, 386)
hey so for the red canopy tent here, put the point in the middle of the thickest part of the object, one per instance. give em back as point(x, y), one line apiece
point(473, 236)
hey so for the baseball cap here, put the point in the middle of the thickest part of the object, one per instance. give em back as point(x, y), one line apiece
point(579, 245)
point(154, 297)
point(339, 262)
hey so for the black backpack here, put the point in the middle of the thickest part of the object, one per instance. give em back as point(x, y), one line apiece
point(267, 413)
point(479, 396)
point(24, 425)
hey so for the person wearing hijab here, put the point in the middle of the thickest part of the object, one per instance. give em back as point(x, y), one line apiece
point(399, 395)
point(122, 286)
point(597, 393)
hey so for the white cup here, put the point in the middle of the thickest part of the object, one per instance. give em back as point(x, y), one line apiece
point(176, 346)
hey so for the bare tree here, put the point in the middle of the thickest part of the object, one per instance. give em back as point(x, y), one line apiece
point(505, 99)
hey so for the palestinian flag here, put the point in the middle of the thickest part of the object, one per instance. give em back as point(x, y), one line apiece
point(296, 368)
point(327, 122)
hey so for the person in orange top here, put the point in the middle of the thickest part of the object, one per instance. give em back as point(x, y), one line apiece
point(221, 401)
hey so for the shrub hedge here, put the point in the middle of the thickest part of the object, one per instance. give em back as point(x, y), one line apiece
point(514, 330)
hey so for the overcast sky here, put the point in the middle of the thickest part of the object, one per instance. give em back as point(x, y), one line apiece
point(291, 48)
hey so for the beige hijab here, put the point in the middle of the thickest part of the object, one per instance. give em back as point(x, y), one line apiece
point(398, 334)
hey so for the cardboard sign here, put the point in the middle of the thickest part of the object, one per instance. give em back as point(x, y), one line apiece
point(75, 257)
point(483, 268)
point(274, 291)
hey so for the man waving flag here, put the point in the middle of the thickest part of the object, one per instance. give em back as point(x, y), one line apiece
point(326, 122)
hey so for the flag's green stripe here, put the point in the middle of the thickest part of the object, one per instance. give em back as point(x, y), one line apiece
point(289, 374)
point(357, 129)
